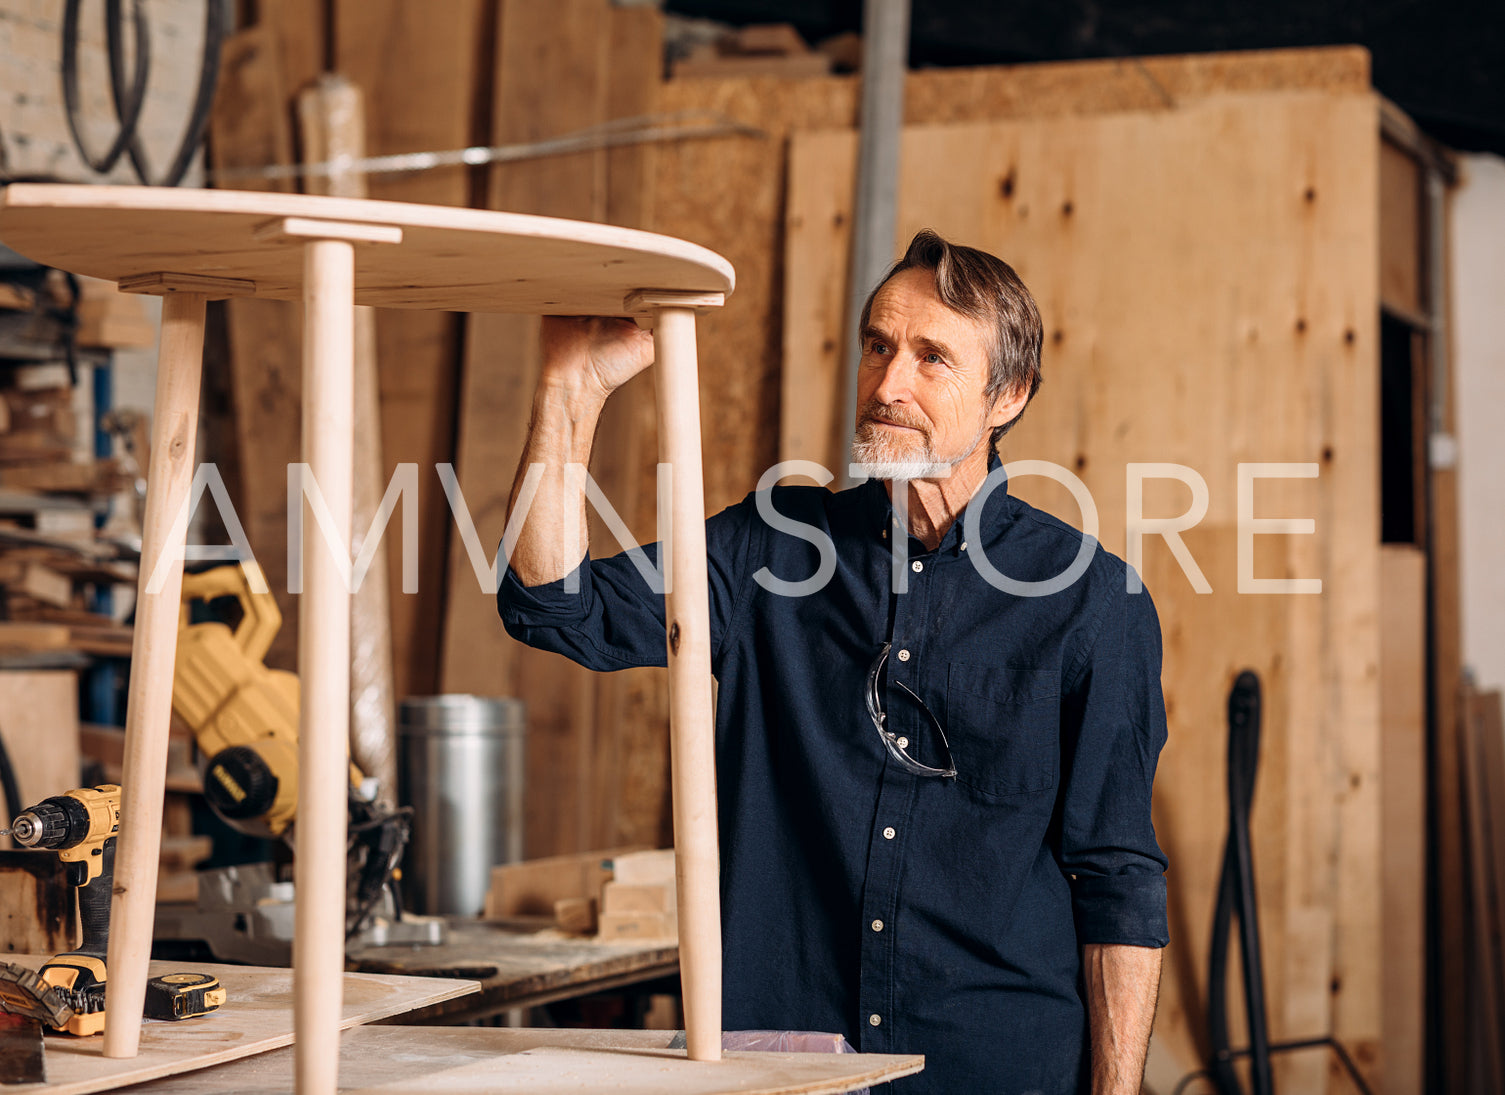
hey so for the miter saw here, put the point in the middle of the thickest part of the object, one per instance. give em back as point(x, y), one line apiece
point(244, 718)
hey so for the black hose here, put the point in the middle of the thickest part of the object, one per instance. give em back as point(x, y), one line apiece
point(129, 100)
point(203, 99)
point(1237, 897)
point(128, 109)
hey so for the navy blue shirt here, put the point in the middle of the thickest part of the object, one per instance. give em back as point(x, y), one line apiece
point(912, 914)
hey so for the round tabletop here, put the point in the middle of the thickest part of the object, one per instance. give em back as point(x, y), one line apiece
point(466, 260)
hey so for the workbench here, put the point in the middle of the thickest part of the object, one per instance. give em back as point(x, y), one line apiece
point(516, 969)
point(478, 1061)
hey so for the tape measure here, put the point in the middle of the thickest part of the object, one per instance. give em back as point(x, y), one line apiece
point(182, 996)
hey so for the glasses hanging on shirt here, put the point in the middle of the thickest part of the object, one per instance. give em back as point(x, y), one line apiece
point(897, 745)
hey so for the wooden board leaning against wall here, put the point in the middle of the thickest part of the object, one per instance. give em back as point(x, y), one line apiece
point(1208, 278)
point(578, 796)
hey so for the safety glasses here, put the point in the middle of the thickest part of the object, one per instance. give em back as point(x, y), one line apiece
point(896, 744)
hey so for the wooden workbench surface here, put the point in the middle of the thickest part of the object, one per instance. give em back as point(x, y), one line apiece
point(471, 1061)
point(257, 1016)
point(470, 260)
point(516, 969)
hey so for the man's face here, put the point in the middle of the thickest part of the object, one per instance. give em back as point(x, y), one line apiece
point(920, 404)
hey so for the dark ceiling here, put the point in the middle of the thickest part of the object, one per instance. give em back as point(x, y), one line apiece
point(1444, 63)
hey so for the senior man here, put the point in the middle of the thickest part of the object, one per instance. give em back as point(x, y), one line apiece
point(939, 713)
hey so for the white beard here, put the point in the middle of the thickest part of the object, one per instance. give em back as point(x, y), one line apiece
point(882, 456)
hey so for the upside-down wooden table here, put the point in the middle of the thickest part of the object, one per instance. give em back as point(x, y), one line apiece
point(191, 246)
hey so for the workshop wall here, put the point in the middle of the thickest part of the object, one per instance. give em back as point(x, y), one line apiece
point(34, 139)
point(1202, 234)
point(1478, 270)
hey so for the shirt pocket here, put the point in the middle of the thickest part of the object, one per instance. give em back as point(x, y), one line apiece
point(1004, 722)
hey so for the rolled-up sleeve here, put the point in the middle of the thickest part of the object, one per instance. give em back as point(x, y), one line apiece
point(1114, 729)
point(605, 615)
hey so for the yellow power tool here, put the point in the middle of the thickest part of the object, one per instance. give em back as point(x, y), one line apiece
point(244, 717)
point(68, 992)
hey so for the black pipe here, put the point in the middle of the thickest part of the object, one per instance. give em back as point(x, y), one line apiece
point(1237, 897)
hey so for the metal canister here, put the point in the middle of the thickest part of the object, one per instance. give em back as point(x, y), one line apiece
point(462, 773)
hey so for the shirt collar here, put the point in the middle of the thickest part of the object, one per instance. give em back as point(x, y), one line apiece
point(878, 509)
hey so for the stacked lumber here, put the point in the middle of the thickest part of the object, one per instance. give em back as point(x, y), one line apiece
point(52, 487)
point(617, 894)
point(640, 902)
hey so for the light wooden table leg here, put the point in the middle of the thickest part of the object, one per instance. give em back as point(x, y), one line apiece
point(324, 667)
point(153, 650)
point(692, 728)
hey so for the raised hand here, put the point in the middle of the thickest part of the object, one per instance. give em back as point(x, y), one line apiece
point(597, 352)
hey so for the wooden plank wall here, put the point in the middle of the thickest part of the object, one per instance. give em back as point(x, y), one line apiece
point(251, 126)
point(1260, 209)
point(597, 764)
point(420, 67)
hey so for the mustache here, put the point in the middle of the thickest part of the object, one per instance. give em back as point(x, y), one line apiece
point(898, 415)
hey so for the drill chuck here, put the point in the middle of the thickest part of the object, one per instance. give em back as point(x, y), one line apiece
point(57, 822)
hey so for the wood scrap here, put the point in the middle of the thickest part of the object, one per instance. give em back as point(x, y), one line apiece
point(532, 887)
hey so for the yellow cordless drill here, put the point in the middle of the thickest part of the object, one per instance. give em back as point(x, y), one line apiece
point(68, 993)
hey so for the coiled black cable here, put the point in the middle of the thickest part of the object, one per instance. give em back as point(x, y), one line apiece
point(129, 110)
point(129, 99)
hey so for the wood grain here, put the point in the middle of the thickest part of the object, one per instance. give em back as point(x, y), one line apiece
point(393, 1059)
point(425, 70)
point(1403, 709)
point(467, 259)
point(175, 421)
point(257, 1017)
point(551, 65)
point(250, 126)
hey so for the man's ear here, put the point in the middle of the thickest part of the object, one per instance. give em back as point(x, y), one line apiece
point(1007, 405)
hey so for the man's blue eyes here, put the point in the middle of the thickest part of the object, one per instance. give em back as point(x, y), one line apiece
point(883, 348)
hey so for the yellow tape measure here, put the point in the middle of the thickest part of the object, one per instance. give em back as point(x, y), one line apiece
point(183, 996)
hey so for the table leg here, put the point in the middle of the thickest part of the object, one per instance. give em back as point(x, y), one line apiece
point(324, 667)
point(691, 719)
point(175, 420)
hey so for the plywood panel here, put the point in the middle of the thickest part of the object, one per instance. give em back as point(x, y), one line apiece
point(1208, 281)
point(257, 1016)
point(1404, 821)
point(392, 1059)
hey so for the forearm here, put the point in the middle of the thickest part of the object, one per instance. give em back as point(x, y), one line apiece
point(1123, 984)
point(552, 538)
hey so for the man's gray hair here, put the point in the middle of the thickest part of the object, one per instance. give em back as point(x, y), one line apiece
point(984, 288)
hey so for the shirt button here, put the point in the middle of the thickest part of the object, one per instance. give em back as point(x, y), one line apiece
point(874, 1019)
point(904, 655)
point(964, 545)
point(902, 743)
point(889, 834)
point(877, 925)
point(917, 566)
